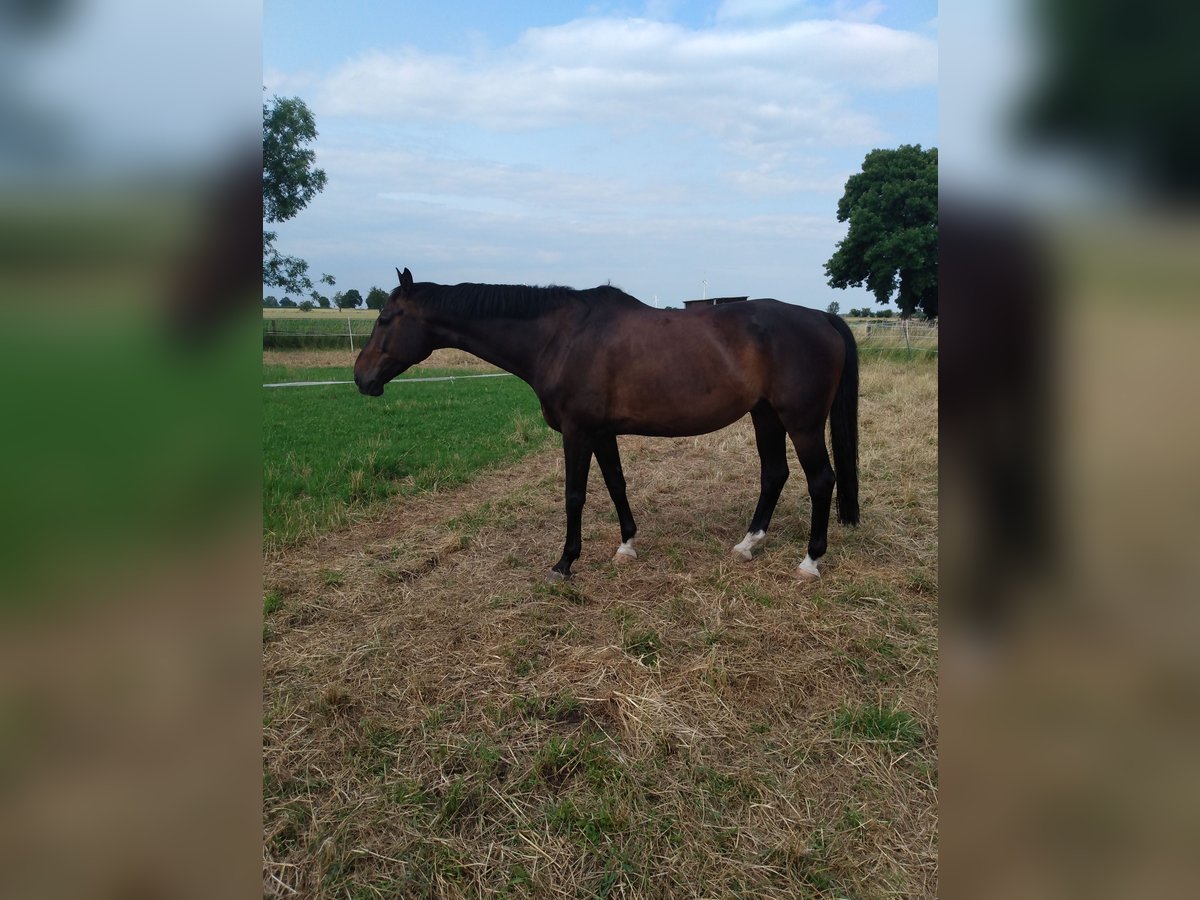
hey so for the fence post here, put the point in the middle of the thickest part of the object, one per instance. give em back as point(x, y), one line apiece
point(350, 331)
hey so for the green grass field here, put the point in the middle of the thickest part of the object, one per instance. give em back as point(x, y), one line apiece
point(331, 454)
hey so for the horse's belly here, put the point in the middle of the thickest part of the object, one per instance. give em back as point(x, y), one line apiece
point(670, 414)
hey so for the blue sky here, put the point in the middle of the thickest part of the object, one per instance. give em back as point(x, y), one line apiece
point(671, 148)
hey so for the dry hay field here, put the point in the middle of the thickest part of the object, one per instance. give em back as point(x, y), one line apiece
point(441, 722)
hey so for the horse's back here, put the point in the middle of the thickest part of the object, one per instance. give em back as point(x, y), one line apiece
point(671, 373)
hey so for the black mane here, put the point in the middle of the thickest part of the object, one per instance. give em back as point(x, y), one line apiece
point(510, 301)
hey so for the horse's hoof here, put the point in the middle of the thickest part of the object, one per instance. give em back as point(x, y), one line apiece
point(807, 570)
point(625, 553)
point(744, 549)
point(556, 576)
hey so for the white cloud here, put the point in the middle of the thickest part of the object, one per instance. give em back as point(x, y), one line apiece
point(749, 87)
point(399, 177)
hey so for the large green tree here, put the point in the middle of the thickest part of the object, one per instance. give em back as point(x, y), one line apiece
point(290, 181)
point(891, 247)
point(376, 298)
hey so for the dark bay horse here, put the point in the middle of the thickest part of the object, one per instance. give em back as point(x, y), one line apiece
point(602, 363)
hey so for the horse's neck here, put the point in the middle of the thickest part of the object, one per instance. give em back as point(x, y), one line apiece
point(513, 345)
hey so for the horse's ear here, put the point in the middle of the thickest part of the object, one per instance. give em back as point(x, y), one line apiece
point(405, 277)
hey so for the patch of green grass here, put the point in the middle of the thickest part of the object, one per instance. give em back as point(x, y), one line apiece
point(874, 722)
point(406, 792)
point(561, 708)
point(272, 601)
point(459, 801)
point(430, 866)
point(922, 581)
point(873, 659)
point(757, 595)
point(585, 754)
point(619, 872)
point(290, 823)
point(473, 521)
point(477, 756)
point(683, 610)
point(519, 880)
point(332, 578)
point(378, 747)
point(899, 354)
point(870, 591)
point(622, 615)
point(524, 661)
point(645, 646)
point(812, 866)
point(561, 590)
point(330, 453)
point(591, 822)
point(721, 789)
point(440, 714)
point(883, 647)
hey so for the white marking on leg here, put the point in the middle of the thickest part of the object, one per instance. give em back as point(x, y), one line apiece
point(745, 550)
point(808, 569)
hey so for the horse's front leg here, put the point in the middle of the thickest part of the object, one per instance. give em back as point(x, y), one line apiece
point(577, 454)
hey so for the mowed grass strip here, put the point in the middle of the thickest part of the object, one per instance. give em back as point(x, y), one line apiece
point(331, 454)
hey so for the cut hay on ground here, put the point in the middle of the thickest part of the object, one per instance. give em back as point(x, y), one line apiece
point(439, 721)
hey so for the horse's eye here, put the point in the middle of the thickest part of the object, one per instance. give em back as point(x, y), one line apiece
point(385, 321)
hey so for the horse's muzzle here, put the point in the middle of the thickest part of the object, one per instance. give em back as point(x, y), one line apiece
point(372, 387)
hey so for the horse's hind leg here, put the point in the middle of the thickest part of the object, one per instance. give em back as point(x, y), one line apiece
point(770, 436)
point(814, 458)
point(609, 458)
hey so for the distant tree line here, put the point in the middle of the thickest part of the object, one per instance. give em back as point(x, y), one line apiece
point(867, 313)
point(350, 299)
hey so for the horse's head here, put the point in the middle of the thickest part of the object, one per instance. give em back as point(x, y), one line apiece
point(398, 340)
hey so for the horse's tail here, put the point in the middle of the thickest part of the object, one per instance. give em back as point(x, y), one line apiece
point(843, 427)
